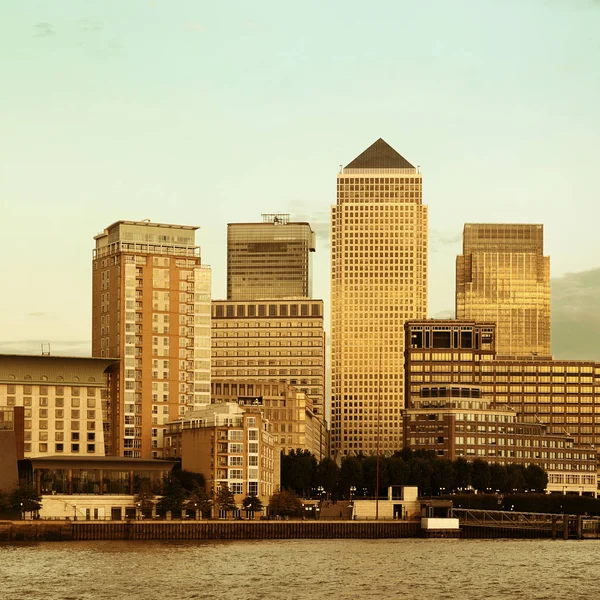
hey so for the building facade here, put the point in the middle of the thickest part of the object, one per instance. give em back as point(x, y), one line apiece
point(378, 281)
point(64, 402)
point(230, 445)
point(290, 412)
point(269, 260)
point(503, 276)
point(456, 421)
point(151, 309)
point(563, 395)
point(275, 341)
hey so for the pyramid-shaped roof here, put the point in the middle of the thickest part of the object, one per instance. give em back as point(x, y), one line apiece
point(379, 155)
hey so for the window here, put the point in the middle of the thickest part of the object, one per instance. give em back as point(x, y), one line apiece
point(74, 447)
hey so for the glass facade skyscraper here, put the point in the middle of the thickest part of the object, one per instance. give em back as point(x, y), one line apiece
point(270, 259)
point(503, 276)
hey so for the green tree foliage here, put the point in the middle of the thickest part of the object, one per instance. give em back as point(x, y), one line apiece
point(442, 476)
point(188, 479)
point(397, 471)
point(145, 499)
point(369, 465)
point(536, 479)
point(462, 473)
point(225, 499)
point(327, 475)
point(285, 503)
point(25, 498)
point(498, 477)
point(481, 476)
point(198, 499)
point(252, 503)
point(298, 470)
point(173, 495)
point(516, 479)
point(351, 474)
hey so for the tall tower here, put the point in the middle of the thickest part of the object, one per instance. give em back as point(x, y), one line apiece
point(503, 276)
point(270, 259)
point(378, 281)
point(151, 309)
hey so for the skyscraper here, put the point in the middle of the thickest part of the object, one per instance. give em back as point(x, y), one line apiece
point(151, 309)
point(503, 276)
point(378, 281)
point(270, 259)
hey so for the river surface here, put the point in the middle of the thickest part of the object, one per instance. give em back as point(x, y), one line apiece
point(307, 569)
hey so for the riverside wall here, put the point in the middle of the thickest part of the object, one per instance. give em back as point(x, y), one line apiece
point(204, 530)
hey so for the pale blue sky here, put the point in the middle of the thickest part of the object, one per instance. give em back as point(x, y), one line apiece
point(210, 112)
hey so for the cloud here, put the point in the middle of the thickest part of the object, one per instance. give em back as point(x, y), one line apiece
point(89, 26)
point(43, 30)
point(318, 220)
point(575, 315)
point(37, 314)
point(58, 348)
point(195, 27)
point(439, 240)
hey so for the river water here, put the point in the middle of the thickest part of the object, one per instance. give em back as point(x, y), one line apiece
point(307, 569)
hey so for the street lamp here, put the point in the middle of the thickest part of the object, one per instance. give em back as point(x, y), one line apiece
point(139, 511)
point(22, 513)
point(74, 512)
point(352, 492)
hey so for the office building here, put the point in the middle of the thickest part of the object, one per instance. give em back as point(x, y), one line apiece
point(503, 276)
point(289, 411)
point(562, 395)
point(271, 341)
point(457, 421)
point(229, 444)
point(269, 260)
point(64, 401)
point(378, 281)
point(151, 309)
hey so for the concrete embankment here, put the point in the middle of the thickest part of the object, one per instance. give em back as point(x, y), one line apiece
point(205, 530)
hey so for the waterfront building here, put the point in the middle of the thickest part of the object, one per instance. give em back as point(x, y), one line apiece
point(378, 281)
point(11, 446)
point(563, 395)
point(93, 488)
point(457, 421)
point(290, 412)
point(229, 444)
point(503, 277)
point(151, 309)
point(269, 260)
point(271, 341)
point(64, 401)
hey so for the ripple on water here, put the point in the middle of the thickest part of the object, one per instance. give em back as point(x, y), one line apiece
point(290, 569)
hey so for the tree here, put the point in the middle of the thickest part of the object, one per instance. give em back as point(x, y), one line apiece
point(225, 499)
point(188, 479)
point(481, 476)
point(351, 475)
point(144, 499)
point(285, 503)
point(536, 479)
point(462, 473)
point(173, 496)
point(420, 471)
point(198, 499)
point(516, 479)
point(298, 470)
point(327, 475)
point(25, 498)
point(369, 467)
point(252, 503)
point(442, 477)
point(498, 477)
point(397, 470)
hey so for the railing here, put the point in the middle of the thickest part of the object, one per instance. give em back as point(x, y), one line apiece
point(500, 518)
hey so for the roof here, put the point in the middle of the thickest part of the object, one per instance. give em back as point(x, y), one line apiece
point(379, 155)
point(145, 223)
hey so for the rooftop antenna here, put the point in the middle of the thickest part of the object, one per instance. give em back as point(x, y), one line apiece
point(341, 168)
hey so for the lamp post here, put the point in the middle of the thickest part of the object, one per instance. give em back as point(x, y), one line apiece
point(74, 512)
point(139, 511)
point(22, 513)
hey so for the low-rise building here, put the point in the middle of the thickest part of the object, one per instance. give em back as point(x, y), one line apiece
point(230, 445)
point(65, 401)
point(456, 421)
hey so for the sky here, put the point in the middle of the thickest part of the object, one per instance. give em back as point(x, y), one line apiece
point(204, 113)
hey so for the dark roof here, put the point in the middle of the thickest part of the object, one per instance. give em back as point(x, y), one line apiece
point(379, 155)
